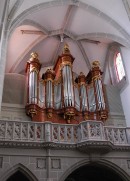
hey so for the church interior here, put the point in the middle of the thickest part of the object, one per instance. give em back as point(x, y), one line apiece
point(65, 91)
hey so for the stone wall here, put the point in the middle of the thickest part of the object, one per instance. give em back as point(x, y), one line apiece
point(56, 165)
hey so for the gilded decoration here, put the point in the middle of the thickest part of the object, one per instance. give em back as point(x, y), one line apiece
point(66, 49)
point(34, 57)
point(95, 63)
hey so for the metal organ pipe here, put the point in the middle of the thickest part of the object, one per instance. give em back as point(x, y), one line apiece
point(32, 69)
point(98, 85)
point(57, 96)
point(49, 78)
point(49, 97)
point(41, 94)
point(68, 86)
point(99, 92)
point(65, 62)
point(33, 81)
point(84, 102)
point(71, 95)
point(65, 85)
point(91, 99)
point(83, 94)
point(77, 99)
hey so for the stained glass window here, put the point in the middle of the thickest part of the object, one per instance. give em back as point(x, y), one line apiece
point(120, 72)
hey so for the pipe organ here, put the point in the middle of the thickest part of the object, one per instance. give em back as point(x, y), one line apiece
point(59, 98)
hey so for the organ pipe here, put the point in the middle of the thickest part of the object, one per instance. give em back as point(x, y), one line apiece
point(68, 85)
point(57, 96)
point(49, 86)
point(77, 98)
point(32, 69)
point(99, 90)
point(83, 94)
point(33, 87)
point(91, 99)
point(42, 93)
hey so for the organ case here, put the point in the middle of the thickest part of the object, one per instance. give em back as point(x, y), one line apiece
point(58, 98)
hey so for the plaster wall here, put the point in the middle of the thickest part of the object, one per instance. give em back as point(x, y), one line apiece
point(125, 93)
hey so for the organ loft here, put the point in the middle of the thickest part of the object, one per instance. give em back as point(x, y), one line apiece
point(59, 97)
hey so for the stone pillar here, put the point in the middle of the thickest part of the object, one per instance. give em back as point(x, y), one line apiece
point(3, 44)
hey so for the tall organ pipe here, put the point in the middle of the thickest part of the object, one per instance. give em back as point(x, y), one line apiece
point(41, 93)
point(66, 67)
point(49, 78)
point(77, 98)
point(84, 102)
point(32, 70)
point(57, 96)
point(83, 94)
point(65, 61)
point(49, 98)
point(99, 91)
point(33, 81)
point(68, 86)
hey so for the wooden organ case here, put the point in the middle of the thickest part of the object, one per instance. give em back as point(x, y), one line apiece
point(58, 98)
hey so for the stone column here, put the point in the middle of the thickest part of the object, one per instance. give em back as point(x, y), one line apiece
point(3, 44)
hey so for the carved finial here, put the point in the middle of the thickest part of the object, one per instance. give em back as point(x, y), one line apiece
point(81, 73)
point(95, 63)
point(50, 70)
point(66, 49)
point(34, 55)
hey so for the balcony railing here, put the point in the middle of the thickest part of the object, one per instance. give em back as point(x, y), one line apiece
point(14, 131)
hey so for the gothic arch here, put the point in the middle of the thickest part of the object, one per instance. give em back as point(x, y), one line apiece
point(22, 169)
point(107, 164)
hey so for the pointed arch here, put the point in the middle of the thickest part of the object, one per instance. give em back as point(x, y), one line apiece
point(24, 170)
point(107, 164)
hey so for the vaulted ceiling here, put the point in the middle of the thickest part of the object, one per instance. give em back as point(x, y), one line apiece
point(44, 26)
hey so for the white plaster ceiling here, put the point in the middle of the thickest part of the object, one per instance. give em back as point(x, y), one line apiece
point(88, 26)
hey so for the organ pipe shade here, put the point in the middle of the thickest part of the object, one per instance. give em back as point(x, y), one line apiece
point(68, 86)
point(33, 87)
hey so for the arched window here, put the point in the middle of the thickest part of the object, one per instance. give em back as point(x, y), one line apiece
point(120, 72)
point(115, 73)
